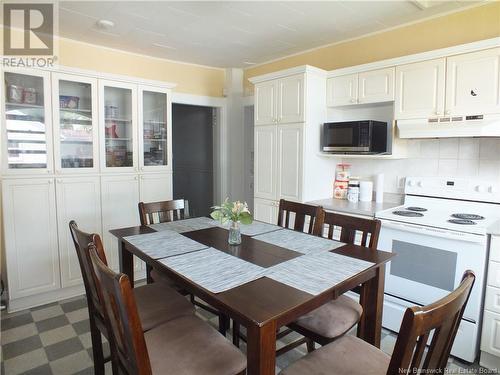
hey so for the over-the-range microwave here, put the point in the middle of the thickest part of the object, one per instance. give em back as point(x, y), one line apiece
point(357, 137)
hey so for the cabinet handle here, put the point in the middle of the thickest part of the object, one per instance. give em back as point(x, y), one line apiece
point(438, 113)
point(446, 112)
point(135, 178)
point(353, 100)
point(58, 180)
point(50, 182)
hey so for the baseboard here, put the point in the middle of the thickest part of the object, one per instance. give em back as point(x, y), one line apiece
point(44, 298)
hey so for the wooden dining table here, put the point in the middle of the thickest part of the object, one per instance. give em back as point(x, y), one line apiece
point(264, 305)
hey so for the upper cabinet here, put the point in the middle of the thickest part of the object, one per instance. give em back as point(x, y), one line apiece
point(420, 89)
point(361, 88)
point(27, 126)
point(473, 83)
point(118, 119)
point(76, 147)
point(280, 101)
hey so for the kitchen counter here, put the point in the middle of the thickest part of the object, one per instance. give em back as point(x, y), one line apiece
point(494, 229)
point(359, 208)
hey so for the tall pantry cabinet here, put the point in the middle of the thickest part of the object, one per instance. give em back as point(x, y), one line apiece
point(75, 147)
point(290, 108)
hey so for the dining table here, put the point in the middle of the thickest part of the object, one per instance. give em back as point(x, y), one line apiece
point(267, 282)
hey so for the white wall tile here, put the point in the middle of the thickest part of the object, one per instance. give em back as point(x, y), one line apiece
point(413, 148)
point(468, 148)
point(489, 149)
point(447, 167)
point(429, 148)
point(448, 148)
point(489, 169)
point(468, 168)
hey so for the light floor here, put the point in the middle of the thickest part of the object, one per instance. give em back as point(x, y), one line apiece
point(55, 339)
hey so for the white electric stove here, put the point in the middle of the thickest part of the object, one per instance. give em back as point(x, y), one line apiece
point(438, 233)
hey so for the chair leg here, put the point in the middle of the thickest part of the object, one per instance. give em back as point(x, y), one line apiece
point(149, 279)
point(191, 297)
point(310, 345)
point(236, 334)
point(97, 350)
point(223, 324)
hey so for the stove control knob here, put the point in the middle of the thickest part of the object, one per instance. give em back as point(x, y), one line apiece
point(420, 184)
point(480, 189)
point(411, 183)
point(493, 189)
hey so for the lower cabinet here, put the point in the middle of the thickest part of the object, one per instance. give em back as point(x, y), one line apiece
point(265, 210)
point(30, 227)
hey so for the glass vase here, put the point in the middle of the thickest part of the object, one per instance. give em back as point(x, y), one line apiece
point(234, 233)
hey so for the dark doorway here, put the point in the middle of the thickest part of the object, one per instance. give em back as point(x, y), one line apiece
point(193, 171)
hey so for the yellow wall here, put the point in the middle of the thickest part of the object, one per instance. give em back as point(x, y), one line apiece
point(471, 25)
point(190, 79)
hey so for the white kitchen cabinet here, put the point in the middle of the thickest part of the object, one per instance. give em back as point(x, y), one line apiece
point(342, 90)
point(290, 156)
point(120, 198)
point(420, 89)
point(266, 210)
point(155, 187)
point(265, 169)
point(265, 103)
point(76, 131)
point(79, 199)
point(280, 101)
point(376, 86)
point(291, 99)
point(473, 83)
point(30, 229)
point(490, 338)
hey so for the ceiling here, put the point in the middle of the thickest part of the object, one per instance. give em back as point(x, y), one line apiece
point(235, 33)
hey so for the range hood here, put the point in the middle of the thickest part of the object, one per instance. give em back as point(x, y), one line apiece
point(450, 127)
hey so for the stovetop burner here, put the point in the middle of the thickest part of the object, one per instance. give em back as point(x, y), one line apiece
point(416, 209)
point(408, 213)
point(462, 221)
point(468, 216)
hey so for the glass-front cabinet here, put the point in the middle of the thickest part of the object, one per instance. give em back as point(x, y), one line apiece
point(118, 118)
point(155, 132)
point(26, 129)
point(75, 123)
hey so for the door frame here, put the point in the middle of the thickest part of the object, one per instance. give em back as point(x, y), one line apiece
point(220, 144)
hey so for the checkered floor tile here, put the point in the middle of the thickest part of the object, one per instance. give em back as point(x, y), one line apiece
point(55, 339)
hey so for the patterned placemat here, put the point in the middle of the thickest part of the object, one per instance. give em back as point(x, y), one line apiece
point(164, 244)
point(315, 273)
point(214, 270)
point(186, 225)
point(300, 242)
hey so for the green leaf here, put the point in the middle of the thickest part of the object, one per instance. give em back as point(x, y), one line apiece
point(246, 218)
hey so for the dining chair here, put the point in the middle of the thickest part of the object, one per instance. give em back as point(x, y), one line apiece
point(167, 211)
point(182, 346)
point(337, 317)
point(157, 303)
point(351, 355)
point(300, 213)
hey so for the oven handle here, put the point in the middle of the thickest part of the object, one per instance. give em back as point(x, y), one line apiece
point(443, 233)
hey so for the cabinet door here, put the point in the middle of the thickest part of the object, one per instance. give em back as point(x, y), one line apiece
point(473, 83)
point(118, 120)
point(79, 199)
point(342, 90)
point(120, 197)
point(29, 209)
point(376, 86)
point(265, 147)
point(265, 210)
point(155, 131)
point(291, 99)
point(27, 129)
point(490, 338)
point(155, 187)
point(76, 147)
point(420, 90)
point(265, 103)
point(290, 148)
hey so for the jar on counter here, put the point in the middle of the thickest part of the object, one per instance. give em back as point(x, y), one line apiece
point(353, 190)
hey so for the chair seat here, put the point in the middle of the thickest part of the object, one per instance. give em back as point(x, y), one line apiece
point(158, 303)
point(188, 345)
point(332, 319)
point(346, 356)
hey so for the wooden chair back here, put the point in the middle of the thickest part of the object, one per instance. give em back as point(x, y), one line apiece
point(165, 211)
point(122, 318)
point(82, 240)
point(301, 211)
point(350, 225)
point(442, 319)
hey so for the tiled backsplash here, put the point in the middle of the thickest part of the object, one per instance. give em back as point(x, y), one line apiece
point(454, 157)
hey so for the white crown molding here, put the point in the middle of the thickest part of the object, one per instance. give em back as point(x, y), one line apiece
point(429, 55)
point(304, 69)
point(200, 100)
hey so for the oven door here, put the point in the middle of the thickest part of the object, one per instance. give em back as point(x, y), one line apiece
point(343, 137)
point(430, 263)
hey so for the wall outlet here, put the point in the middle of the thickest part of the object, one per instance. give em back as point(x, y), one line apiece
point(401, 182)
